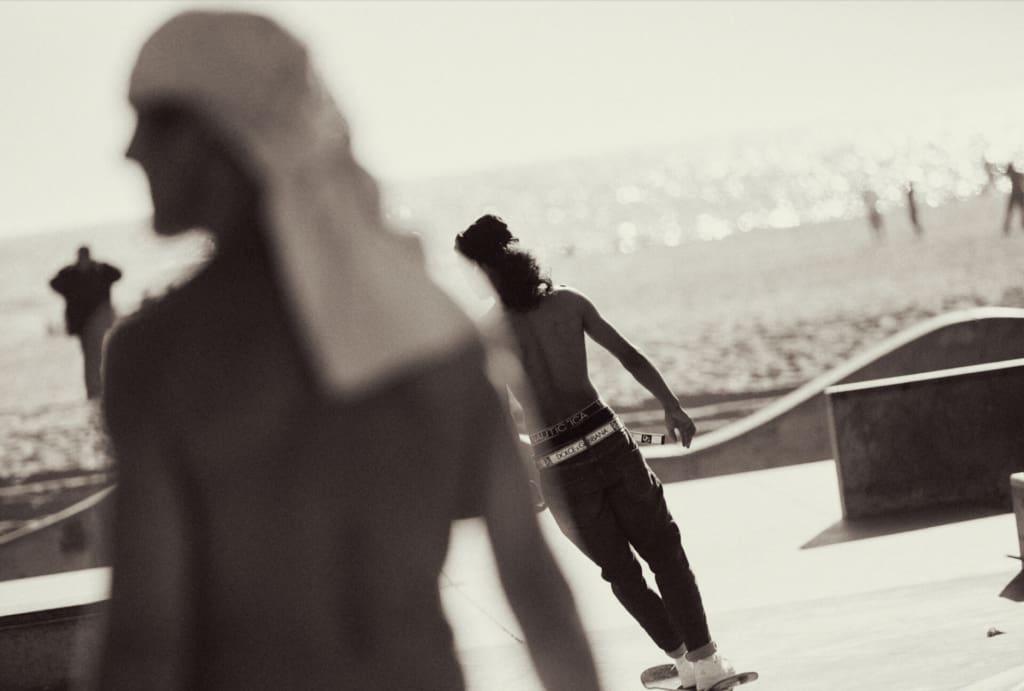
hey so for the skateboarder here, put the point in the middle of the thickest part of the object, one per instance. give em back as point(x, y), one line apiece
point(594, 478)
point(297, 427)
point(88, 314)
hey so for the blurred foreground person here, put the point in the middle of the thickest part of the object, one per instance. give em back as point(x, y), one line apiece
point(297, 427)
point(88, 314)
point(600, 490)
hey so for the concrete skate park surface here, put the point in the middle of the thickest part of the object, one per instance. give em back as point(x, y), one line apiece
point(809, 601)
point(791, 591)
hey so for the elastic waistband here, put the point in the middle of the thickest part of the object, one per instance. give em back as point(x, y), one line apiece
point(569, 423)
point(579, 446)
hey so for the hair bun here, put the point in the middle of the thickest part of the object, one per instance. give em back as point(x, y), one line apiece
point(485, 240)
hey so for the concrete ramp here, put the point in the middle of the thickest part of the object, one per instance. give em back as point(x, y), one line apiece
point(794, 428)
point(72, 539)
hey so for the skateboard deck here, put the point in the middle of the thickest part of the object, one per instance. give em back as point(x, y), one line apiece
point(665, 677)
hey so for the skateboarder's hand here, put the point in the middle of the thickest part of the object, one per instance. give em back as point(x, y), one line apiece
point(679, 425)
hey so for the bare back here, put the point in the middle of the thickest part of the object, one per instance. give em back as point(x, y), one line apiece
point(552, 345)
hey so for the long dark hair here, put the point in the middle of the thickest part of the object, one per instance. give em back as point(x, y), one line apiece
point(514, 272)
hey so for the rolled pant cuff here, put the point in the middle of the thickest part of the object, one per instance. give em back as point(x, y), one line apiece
point(702, 652)
point(678, 652)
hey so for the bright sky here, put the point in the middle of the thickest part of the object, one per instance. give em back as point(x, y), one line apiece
point(439, 87)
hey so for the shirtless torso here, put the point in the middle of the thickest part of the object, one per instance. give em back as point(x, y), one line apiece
point(552, 347)
point(554, 357)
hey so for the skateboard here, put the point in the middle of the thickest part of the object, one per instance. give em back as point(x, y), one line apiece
point(665, 677)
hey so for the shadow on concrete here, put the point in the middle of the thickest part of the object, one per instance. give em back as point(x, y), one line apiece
point(1014, 590)
point(848, 530)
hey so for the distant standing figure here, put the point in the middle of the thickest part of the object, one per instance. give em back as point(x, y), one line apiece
point(1016, 197)
point(88, 314)
point(874, 215)
point(912, 210)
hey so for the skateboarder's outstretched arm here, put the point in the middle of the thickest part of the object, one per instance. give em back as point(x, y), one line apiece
point(535, 587)
point(678, 424)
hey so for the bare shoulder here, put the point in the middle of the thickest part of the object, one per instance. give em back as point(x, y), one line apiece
point(569, 296)
point(571, 300)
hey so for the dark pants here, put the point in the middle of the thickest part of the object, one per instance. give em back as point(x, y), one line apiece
point(607, 500)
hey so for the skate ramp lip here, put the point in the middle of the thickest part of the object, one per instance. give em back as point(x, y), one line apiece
point(53, 592)
point(794, 428)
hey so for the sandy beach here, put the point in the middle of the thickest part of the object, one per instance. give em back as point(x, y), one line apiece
point(769, 310)
point(756, 312)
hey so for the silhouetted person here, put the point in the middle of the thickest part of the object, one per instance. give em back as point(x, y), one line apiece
point(88, 314)
point(601, 492)
point(298, 425)
point(874, 215)
point(912, 210)
point(1016, 199)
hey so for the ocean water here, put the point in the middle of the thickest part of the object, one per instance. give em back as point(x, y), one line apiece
point(620, 206)
point(709, 190)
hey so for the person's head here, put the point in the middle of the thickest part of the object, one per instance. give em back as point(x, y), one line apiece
point(221, 99)
point(84, 256)
point(514, 272)
point(238, 131)
point(195, 178)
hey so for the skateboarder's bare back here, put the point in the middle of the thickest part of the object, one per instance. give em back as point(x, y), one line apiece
point(602, 494)
point(551, 340)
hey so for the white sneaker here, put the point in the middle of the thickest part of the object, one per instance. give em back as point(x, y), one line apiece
point(712, 670)
point(687, 675)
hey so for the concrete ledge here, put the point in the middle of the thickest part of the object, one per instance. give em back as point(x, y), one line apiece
point(943, 438)
point(50, 628)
